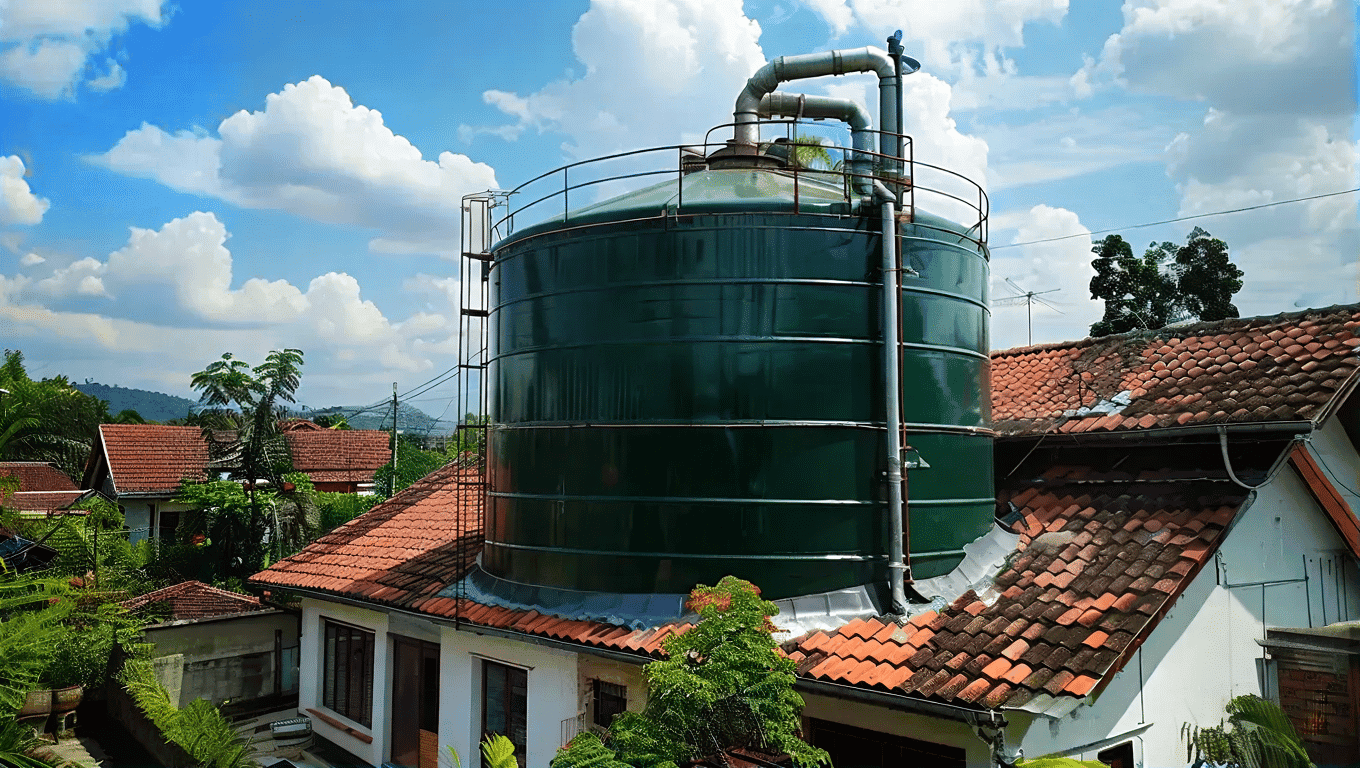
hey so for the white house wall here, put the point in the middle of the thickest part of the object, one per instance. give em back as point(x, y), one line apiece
point(311, 657)
point(1204, 652)
point(553, 696)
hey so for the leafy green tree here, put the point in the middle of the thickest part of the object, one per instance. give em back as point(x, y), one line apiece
point(413, 463)
point(1257, 734)
point(47, 420)
point(255, 450)
point(128, 416)
point(722, 685)
point(1168, 284)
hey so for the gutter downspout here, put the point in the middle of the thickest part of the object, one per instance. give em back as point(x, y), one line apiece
point(861, 128)
point(746, 113)
point(897, 566)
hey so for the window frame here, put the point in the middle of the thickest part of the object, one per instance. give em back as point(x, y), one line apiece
point(341, 692)
point(509, 672)
point(598, 697)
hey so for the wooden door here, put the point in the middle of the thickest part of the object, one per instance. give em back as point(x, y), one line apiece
point(415, 703)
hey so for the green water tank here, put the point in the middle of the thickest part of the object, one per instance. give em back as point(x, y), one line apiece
point(686, 382)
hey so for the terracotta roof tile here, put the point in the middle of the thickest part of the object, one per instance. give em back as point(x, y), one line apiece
point(196, 600)
point(339, 455)
point(37, 476)
point(1189, 377)
point(145, 458)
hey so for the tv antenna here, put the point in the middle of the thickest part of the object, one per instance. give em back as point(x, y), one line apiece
point(1029, 297)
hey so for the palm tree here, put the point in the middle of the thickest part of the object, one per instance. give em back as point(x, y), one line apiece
point(46, 420)
point(1258, 734)
point(255, 449)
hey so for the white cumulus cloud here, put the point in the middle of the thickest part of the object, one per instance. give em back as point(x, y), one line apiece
point(97, 308)
point(1062, 266)
point(46, 45)
point(314, 153)
point(18, 204)
point(656, 72)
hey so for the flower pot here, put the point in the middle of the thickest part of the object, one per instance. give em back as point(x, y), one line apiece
point(67, 699)
point(36, 703)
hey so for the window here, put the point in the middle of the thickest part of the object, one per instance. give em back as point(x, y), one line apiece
point(166, 523)
point(607, 700)
point(852, 747)
point(347, 675)
point(505, 703)
point(1120, 756)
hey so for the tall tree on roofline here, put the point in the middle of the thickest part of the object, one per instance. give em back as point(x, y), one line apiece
point(252, 399)
point(1169, 284)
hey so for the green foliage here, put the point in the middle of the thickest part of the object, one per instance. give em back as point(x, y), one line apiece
point(34, 609)
point(221, 537)
point(46, 420)
point(199, 728)
point(1168, 284)
point(722, 685)
point(498, 752)
point(336, 509)
point(18, 743)
point(255, 449)
point(55, 635)
point(1059, 762)
point(1257, 734)
point(413, 463)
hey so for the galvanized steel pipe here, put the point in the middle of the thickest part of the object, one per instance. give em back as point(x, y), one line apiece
point(861, 128)
point(896, 565)
point(786, 68)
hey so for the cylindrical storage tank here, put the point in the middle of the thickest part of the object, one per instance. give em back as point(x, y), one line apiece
point(687, 384)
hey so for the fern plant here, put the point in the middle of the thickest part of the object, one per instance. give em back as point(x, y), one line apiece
point(1256, 734)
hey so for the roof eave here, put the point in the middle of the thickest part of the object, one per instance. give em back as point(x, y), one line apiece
point(1155, 434)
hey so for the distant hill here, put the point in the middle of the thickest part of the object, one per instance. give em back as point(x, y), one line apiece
point(152, 406)
point(412, 420)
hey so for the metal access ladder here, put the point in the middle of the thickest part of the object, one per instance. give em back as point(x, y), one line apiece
point(474, 327)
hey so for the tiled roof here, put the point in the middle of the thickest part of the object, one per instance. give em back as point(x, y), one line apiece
point(406, 548)
point(1098, 561)
point(41, 502)
point(148, 458)
point(1280, 368)
point(37, 476)
point(338, 455)
point(1327, 496)
point(196, 600)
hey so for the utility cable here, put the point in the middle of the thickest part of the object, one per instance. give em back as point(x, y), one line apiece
point(1181, 218)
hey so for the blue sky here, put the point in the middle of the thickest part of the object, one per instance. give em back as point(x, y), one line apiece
point(179, 180)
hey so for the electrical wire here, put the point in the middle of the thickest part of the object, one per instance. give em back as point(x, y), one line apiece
point(1317, 456)
point(1181, 218)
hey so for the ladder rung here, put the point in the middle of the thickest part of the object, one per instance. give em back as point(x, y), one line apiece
point(476, 312)
point(478, 367)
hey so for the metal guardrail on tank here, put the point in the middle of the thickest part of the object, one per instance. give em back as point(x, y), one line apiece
point(548, 196)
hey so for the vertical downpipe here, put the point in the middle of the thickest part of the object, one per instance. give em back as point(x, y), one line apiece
point(892, 388)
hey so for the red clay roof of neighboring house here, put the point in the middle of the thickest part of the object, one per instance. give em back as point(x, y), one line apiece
point(338, 455)
point(37, 476)
point(148, 458)
point(1327, 496)
point(408, 547)
point(1280, 368)
point(1101, 558)
point(196, 600)
point(42, 502)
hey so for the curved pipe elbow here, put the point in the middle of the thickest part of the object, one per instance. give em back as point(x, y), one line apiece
point(786, 68)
